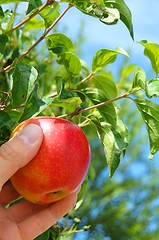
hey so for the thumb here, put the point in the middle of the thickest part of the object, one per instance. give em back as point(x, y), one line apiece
point(18, 151)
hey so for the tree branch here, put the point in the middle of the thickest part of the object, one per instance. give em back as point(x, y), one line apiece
point(8, 68)
point(79, 110)
point(85, 79)
point(105, 103)
point(49, 2)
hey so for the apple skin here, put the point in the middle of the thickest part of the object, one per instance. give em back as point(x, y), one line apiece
point(60, 165)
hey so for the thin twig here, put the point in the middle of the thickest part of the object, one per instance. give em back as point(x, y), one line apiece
point(8, 68)
point(31, 16)
point(85, 79)
point(104, 103)
point(79, 110)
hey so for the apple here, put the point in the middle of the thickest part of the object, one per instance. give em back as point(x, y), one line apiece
point(60, 165)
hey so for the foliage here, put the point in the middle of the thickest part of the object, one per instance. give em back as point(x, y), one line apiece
point(42, 74)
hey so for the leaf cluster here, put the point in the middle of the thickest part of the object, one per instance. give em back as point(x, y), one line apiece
point(42, 74)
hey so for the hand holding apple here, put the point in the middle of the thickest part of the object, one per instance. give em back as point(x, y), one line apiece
point(60, 165)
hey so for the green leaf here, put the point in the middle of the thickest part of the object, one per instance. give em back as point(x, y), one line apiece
point(68, 104)
point(97, 9)
point(98, 96)
point(33, 4)
point(66, 99)
point(7, 21)
point(152, 52)
point(71, 62)
point(59, 43)
point(11, 1)
point(113, 143)
point(111, 17)
point(49, 14)
point(106, 84)
point(122, 130)
point(3, 40)
point(81, 194)
point(104, 57)
point(35, 105)
point(139, 80)
point(125, 13)
point(44, 236)
point(127, 70)
point(7, 124)
point(63, 93)
point(150, 113)
point(34, 24)
point(153, 88)
point(14, 114)
point(1, 13)
point(24, 77)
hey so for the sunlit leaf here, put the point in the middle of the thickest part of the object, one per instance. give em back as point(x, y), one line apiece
point(11, 1)
point(105, 84)
point(152, 52)
point(7, 21)
point(69, 104)
point(49, 14)
point(150, 113)
point(97, 9)
point(111, 17)
point(104, 57)
point(113, 143)
point(98, 96)
point(71, 62)
point(34, 24)
point(153, 88)
point(139, 80)
point(125, 13)
point(127, 70)
point(33, 4)
point(59, 43)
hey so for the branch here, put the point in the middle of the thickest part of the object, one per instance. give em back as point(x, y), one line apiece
point(85, 79)
point(8, 68)
point(79, 110)
point(49, 2)
point(105, 103)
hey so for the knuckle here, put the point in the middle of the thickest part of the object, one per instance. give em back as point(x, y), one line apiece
point(7, 152)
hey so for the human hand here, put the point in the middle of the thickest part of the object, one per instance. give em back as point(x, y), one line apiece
point(24, 220)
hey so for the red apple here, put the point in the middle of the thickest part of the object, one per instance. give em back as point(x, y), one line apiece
point(60, 165)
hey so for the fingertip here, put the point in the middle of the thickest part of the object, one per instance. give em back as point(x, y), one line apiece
point(31, 134)
point(21, 149)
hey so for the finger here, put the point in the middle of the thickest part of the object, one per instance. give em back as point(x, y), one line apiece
point(17, 152)
point(8, 228)
point(25, 209)
point(39, 222)
point(8, 194)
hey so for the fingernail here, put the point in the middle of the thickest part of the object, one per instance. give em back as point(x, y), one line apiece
point(30, 134)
